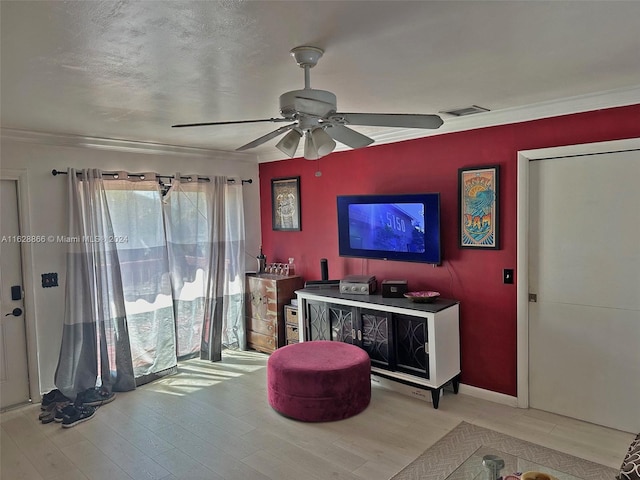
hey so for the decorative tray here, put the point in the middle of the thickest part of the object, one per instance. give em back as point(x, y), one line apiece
point(422, 297)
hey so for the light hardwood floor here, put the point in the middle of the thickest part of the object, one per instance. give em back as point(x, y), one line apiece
point(212, 421)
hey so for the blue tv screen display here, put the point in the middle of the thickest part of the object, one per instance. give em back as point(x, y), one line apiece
point(390, 227)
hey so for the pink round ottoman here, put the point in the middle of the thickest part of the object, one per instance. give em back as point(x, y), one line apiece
point(319, 381)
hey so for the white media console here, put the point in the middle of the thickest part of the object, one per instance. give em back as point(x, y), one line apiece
point(417, 344)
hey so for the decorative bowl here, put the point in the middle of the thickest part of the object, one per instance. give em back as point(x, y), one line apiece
point(537, 476)
point(422, 297)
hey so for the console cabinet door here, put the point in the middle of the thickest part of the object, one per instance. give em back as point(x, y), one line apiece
point(326, 321)
point(375, 336)
point(342, 320)
point(317, 320)
point(412, 347)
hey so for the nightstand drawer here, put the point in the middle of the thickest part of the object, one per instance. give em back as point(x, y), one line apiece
point(261, 302)
point(291, 314)
point(261, 342)
point(265, 327)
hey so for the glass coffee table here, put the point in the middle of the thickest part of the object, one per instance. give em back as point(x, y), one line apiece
point(473, 469)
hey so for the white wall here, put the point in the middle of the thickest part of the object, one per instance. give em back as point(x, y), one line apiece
point(47, 216)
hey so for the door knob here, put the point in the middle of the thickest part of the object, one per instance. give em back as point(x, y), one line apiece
point(16, 312)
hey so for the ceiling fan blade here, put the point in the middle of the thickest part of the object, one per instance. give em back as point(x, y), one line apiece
point(266, 138)
point(181, 125)
point(402, 120)
point(349, 137)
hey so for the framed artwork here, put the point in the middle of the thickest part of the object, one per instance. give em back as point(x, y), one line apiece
point(478, 207)
point(285, 204)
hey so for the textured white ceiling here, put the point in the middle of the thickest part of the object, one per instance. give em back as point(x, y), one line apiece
point(128, 70)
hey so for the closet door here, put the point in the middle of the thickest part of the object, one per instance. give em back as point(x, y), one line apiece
point(584, 267)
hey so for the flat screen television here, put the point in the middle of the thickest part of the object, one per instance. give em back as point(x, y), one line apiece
point(401, 227)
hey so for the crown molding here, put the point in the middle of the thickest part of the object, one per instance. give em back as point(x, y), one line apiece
point(566, 106)
point(127, 146)
point(554, 108)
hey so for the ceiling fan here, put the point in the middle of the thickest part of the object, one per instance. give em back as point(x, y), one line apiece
point(314, 116)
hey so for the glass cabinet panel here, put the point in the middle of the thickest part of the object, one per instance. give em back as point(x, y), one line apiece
point(411, 345)
point(374, 326)
point(342, 319)
point(318, 321)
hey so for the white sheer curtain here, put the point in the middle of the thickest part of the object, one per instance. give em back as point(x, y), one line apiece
point(95, 346)
point(136, 213)
point(205, 238)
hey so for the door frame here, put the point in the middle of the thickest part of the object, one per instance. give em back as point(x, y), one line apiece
point(522, 241)
point(21, 177)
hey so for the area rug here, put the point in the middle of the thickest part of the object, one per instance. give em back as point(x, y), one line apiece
point(448, 453)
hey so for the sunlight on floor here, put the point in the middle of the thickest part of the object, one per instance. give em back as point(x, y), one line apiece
point(196, 374)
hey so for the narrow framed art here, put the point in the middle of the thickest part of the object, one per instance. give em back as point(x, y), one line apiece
point(478, 207)
point(285, 204)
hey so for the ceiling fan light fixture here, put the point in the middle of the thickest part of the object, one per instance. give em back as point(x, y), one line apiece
point(318, 143)
point(289, 143)
point(310, 150)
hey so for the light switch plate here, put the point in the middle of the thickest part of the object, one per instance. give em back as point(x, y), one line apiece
point(507, 275)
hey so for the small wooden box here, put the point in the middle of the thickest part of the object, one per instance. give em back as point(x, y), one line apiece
point(394, 288)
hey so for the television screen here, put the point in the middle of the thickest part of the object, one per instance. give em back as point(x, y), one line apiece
point(390, 227)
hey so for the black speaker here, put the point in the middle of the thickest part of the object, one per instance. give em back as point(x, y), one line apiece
point(324, 269)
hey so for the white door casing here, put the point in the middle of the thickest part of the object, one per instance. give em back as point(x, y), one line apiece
point(14, 375)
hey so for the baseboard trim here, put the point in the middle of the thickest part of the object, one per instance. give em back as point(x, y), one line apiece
point(488, 395)
point(425, 395)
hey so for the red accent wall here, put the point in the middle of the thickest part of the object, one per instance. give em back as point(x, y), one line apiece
point(487, 306)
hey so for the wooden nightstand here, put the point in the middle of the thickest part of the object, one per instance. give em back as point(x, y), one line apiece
point(267, 294)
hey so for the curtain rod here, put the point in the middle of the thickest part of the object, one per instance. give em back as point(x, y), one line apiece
point(55, 172)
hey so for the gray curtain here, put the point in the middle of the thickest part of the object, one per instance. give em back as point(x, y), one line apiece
point(95, 346)
point(233, 286)
point(141, 292)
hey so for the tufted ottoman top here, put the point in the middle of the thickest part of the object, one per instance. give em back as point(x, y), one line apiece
point(320, 355)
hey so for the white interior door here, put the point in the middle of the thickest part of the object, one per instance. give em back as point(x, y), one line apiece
point(584, 267)
point(14, 378)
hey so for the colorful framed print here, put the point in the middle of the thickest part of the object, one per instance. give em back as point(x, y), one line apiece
point(285, 204)
point(478, 207)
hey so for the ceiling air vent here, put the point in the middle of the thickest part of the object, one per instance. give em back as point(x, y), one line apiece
point(461, 112)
